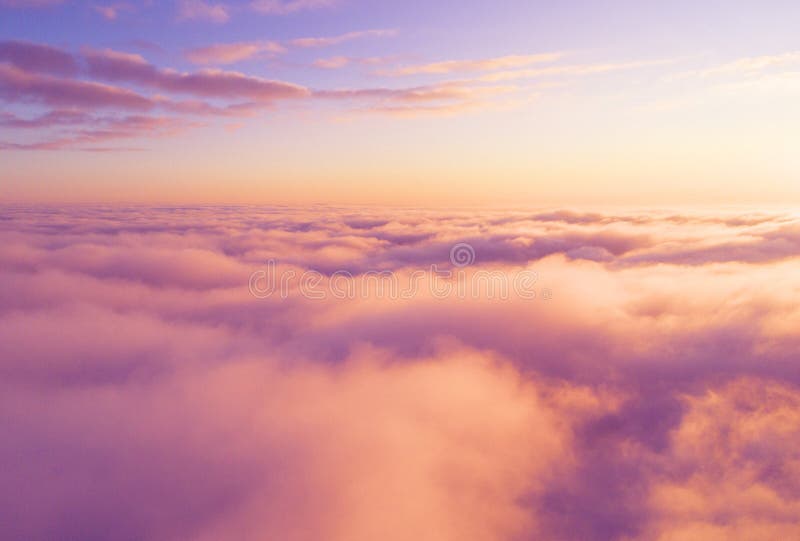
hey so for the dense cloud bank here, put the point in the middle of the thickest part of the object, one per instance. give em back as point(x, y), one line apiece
point(649, 390)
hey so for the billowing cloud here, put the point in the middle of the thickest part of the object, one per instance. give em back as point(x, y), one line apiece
point(627, 400)
point(47, 76)
point(732, 472)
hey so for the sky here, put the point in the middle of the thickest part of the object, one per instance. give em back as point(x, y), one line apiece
point(348, 270)
point(519, 103)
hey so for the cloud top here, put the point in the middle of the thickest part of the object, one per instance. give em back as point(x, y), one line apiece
point(145, 392)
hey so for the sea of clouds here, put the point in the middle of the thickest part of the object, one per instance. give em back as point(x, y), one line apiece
point(649, 390)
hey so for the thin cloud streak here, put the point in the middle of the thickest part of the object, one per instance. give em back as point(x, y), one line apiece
point(18, 85)
point(466, 66)
point(334, 62)
point(316, 42)
point(575, 70)
point(231, 53)
point(111, 12)
point(105, 130)
point(745, 66)
point(122, 67)
point(286, 7)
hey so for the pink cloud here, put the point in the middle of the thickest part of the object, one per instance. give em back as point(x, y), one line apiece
point(230, 53)
point(28, 75)
point(284, 7)
point(37, 58)
point(112, 11)
point(488, 64)
point(109, 12)
point(437, 99)
point(334, 62)
point(313, 42)
point(146, 391)
point(46, 120)
point(100, 131)
point(122, 67)
point(21, 81)
point(18, 85)
point(573, 70)
point(734, 445)
point(203, 11)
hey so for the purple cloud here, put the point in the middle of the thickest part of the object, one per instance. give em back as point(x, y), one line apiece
point(122, 67)
point(284, 7)
point(39, 58)
point(18, 85)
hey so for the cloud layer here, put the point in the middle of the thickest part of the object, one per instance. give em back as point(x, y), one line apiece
point(647, 391)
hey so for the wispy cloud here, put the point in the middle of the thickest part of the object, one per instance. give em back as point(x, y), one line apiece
point(230, 53)
point(111, 12)
point(312, 42)
point(334, 62)
point(121, 67)
point(30, 3)
point(106, 130)
point(203, 11)
point(284, 7)
point(221, 12)
point(438, 99)
point(418, 110)
point(76, 86)
point(46, 120)
point(337, 62)
point(37, 57)
point(744, 66)
point(19, 85)
point(486, 64)
point(575, 69)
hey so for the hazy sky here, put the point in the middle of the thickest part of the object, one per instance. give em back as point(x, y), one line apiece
point(469, 103)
